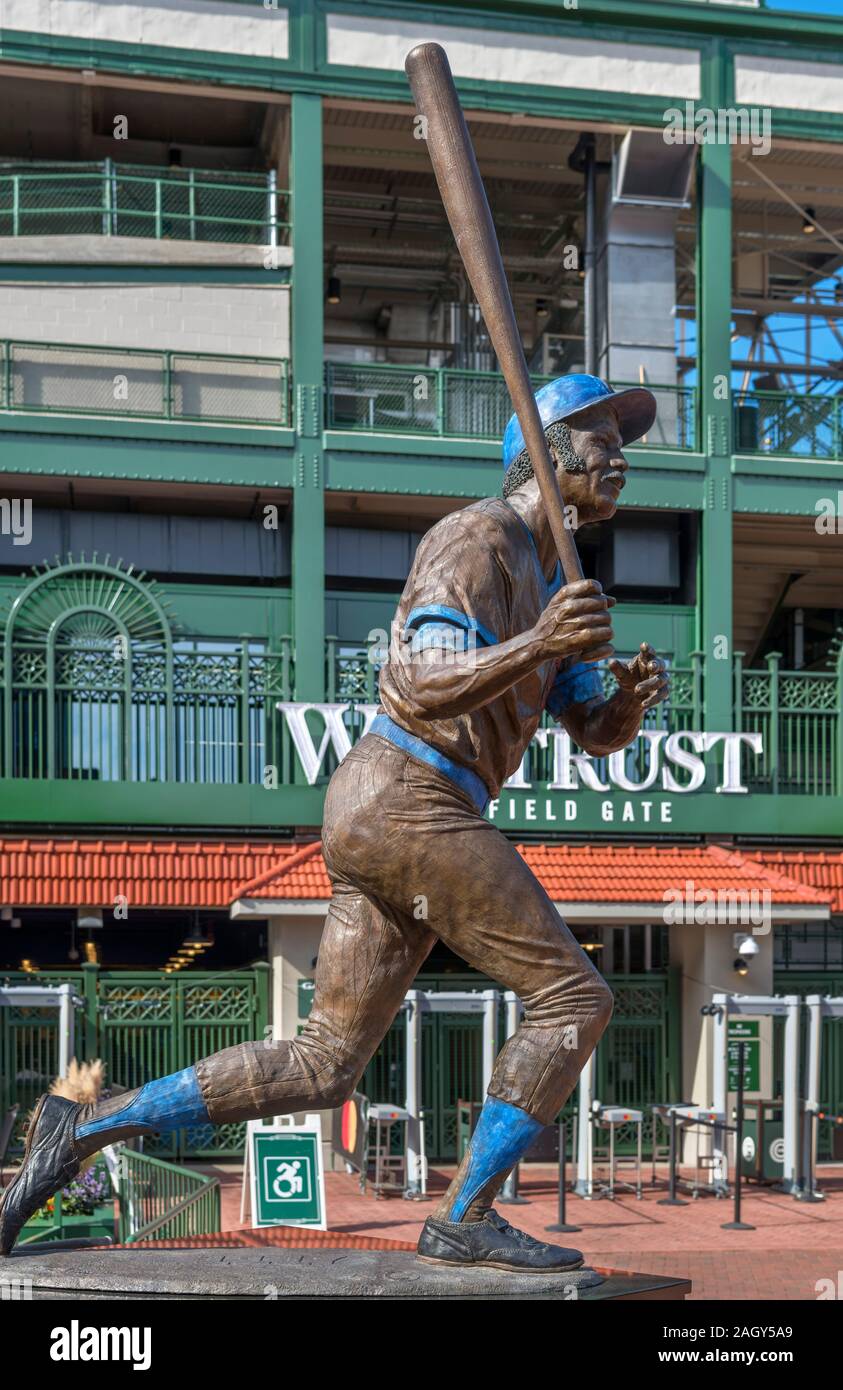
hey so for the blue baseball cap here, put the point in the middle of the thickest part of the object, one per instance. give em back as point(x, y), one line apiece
point(568, 395)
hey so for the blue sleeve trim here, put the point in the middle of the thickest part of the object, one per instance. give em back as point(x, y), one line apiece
point(451, 615)
point(574, 687)
point(439, 636)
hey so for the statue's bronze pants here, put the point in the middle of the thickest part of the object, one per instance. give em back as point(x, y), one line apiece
point(410, 860)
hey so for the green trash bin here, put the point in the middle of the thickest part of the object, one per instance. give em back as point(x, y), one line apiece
point(762, 1150)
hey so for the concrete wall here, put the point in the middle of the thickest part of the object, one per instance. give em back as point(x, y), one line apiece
point(371, 41)
point(705, 955)
point(763, 80)
point(256, 30)
point(241, 319)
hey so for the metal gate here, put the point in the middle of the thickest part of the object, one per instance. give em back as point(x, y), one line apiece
point(142, 1024)
point(29, 1051)
point(638, 1060)
point(802, 982)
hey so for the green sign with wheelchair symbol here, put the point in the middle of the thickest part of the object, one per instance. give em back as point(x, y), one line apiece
point(288, 1179)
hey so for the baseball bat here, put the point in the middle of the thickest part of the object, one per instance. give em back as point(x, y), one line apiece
point(467, 209)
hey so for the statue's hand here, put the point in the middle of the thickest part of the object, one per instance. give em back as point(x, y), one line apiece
point(644, 678)
point(576, 623)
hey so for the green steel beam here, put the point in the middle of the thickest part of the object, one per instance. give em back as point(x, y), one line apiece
point(789, 492)
point(714, 313)
point(449, 468)
point(220, 805)
point(688, 16)
point(307, 311)
point(65, 447)
point(35, 272)
point(175, 804)
point(210, 435)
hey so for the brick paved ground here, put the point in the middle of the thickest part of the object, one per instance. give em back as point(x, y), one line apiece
point(794, 1244)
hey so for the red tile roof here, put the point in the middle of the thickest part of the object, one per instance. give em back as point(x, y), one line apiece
point(584, 873)
point(41, 872)
point(822, 868)
point(151, 873)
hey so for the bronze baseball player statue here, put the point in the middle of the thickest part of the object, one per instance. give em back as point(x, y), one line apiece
point(486, 639)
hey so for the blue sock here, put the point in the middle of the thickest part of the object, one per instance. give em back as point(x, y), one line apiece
point(169, 1103)
point(503, 1135)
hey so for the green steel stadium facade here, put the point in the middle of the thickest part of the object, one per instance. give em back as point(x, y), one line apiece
point(241, 374)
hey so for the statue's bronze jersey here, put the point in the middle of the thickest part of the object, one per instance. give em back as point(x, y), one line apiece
point(478, 571)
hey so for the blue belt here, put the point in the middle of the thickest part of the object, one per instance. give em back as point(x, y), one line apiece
point(468, 781)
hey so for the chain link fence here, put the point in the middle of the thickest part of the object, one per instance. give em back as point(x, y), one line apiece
point(474, 405)
point(80, 380)
point(135, 200)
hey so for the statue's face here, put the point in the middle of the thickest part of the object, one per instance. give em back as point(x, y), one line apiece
point(596, 439)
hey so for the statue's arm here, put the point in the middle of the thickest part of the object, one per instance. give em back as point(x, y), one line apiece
point(440, 681)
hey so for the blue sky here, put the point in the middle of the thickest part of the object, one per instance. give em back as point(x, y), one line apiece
point(808, 6)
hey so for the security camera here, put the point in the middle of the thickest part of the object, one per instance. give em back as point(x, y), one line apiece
point(746, 946)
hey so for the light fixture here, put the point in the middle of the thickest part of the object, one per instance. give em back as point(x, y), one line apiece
point(92, 952)
point(542, 309)
point(809, 225)
point(741, 966)
point(89, 918)
point(334, 294)
point(28, 966)
point(592, 943)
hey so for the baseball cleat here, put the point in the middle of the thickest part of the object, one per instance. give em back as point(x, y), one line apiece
point(50, 1160)
point(492, 1244)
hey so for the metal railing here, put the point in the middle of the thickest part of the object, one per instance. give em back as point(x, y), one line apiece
point(162, 1201)
point(385, 398)
point(81, 712)
point(79, 708)
point(788, 423)
point(141, 1023)
point(75, 379)
point(138, 200)
point(799, 713)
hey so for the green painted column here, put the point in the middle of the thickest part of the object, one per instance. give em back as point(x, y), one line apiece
point(307, 309)
point(714, 290)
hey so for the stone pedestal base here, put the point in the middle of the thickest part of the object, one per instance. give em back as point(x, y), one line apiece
point(303, 1274)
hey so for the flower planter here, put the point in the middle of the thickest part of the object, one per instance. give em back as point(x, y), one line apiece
point(98, 1224)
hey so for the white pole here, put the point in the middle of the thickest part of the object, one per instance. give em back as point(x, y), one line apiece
point(720, 1043)
point(412, 1105)
point(513, 1015)
point(791, 1094)
point(490, 1030)
point(66, 1028)
point(584, 1185)
point(720, 1035)
point(812, 1084)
